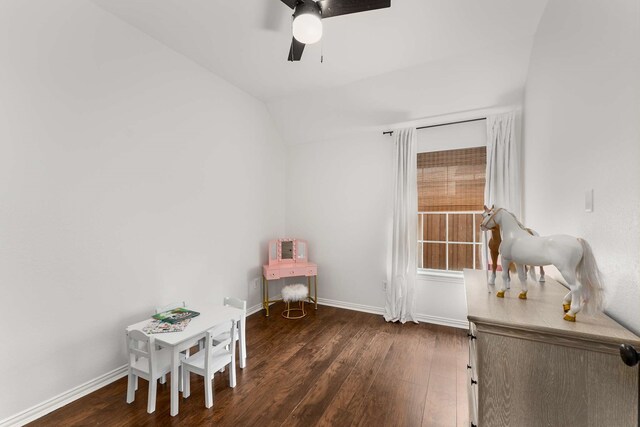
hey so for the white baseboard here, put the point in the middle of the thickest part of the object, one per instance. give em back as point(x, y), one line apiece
point(256, 308)
point(62, 399)
point(454, 323)
point(351, 306)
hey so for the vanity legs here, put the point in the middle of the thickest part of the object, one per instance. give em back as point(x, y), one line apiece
point(265, 293)
point(315, 290)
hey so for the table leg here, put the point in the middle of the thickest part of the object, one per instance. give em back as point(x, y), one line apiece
point(175, 368)
point(315, 289)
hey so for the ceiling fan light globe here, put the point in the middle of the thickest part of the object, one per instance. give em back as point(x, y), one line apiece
point(307, 28)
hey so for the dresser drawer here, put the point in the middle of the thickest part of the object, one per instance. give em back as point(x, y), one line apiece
point(307, 271)
point(272, 274)
point(473, 351)
point(289, 272)
point(472, 393)
point(472, 375)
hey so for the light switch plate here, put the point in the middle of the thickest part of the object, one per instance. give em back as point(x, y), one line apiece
point(588, 201)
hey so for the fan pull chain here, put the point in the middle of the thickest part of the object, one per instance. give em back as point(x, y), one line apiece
point(321, 51)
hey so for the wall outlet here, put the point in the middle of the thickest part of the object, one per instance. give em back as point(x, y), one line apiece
point(256, 283)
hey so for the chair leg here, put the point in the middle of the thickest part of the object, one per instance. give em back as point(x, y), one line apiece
point(151, 402)
point(232, 373)
point(208, 392)
point(186, 381)
point(131, 387)
point(180, 371)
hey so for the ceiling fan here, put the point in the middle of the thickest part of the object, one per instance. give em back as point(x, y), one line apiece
point(308, 15)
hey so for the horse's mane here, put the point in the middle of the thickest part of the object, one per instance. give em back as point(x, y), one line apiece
point(516, 220)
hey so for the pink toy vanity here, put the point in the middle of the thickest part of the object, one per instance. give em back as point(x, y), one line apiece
point(288, 258)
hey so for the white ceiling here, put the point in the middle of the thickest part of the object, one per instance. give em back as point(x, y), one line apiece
point(246, 42)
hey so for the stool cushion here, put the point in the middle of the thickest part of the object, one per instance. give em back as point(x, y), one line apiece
point(296, 292)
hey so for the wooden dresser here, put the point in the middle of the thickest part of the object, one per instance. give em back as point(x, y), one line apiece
point(529, 367)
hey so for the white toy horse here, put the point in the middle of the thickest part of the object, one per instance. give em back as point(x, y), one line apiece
point(572, 256)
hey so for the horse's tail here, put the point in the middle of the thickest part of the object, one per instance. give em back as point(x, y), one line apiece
point(589, 276)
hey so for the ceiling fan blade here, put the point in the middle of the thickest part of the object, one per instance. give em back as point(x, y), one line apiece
point(295, 52)
point(343, 7)
point(290, 3)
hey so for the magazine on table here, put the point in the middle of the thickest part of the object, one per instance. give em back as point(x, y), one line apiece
point(159, 326)
point(176, 315)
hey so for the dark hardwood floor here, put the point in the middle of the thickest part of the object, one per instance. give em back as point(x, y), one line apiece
point(333, 368)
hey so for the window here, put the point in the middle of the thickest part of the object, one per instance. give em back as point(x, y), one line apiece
point(450, 198)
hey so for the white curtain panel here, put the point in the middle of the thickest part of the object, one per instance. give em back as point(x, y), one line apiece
point(503, 163)
point(502, 187)
point(400, 298)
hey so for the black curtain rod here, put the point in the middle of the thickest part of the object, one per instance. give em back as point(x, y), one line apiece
point(390, 132)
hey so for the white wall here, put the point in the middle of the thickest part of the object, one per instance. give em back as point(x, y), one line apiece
point(129, 177)
point(339, 199)
point(582, 131)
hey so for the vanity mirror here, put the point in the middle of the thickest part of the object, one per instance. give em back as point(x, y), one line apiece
point(283, 251)
point(287, 250)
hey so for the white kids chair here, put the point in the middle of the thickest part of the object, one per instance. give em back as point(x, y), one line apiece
point(215, 356)
point(147, 362)
point(240, 328)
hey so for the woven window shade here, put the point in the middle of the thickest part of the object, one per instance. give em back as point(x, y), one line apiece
point(452, 180)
